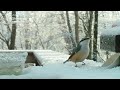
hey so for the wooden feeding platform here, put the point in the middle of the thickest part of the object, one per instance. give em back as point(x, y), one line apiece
point(13, 61)
point(31, 57)
point(110, 41)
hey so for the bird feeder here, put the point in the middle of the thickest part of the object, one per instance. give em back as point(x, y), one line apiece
point(110, 41)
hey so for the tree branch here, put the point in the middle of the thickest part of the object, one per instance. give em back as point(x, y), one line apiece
point(2, 38)
point(85, 27)
point(3, 15)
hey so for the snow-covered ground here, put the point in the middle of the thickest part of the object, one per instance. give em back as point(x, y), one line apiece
point(55, 69)
point(91, 70)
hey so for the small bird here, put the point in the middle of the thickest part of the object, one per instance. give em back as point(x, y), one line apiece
point(81, 52)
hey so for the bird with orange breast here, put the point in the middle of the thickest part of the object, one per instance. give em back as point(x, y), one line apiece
point(81, 52)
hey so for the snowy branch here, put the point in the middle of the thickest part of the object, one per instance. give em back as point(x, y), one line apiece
point(2, 38)
point(4, 16)
point(85, 28)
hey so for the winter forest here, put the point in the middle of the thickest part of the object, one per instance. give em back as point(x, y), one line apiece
point(55, 30)
point(35, 44)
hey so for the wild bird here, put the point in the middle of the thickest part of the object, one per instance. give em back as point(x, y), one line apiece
point(81, 52)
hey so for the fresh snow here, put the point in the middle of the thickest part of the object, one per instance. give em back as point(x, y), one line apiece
point(54, 68)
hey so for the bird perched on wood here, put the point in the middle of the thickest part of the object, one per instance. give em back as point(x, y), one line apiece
point(81, 52)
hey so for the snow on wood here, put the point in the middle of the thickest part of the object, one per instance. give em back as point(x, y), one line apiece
point(113, 61)
point(53, 68)
point(50, 56)
point(110, 41)
point(39, 56)
point(12, 62)
point(111, 31)
point(110, 38)
point(31, 58)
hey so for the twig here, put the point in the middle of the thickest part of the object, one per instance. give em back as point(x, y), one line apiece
point(3, 15)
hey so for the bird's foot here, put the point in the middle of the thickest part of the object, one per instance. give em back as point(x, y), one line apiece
point(83, 63)
point(76, 65)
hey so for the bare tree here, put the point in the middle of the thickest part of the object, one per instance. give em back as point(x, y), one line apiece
point(10, 39)
point(13, 33)
point(2, 42)
point(76, 26)
point(95, 36)
point(36, 34)
point(90, 21)
point(27, 31)
point(70, 29)
point(65, 32)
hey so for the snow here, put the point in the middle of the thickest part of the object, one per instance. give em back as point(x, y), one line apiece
point(12, 59)
point(113, 30)
point(49, 56)
point(54, 68)
point(12, 62)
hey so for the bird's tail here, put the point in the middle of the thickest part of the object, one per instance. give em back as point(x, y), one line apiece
point(65, 61)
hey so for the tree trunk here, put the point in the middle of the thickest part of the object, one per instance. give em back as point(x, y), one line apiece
point(76, 27)
point(95, 36)
point(13, 33)
point(65, 32)
point(2, 42)
point(70, 29)
point(90, 33)
point(27, 32)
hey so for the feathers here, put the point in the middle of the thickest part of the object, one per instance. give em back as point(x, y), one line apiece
point(84, 39)
point(74, 51)
point(80, 52)
point(66, 61)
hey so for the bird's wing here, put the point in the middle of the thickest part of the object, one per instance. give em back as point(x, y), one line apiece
point(71, 55)
point(75, 50)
